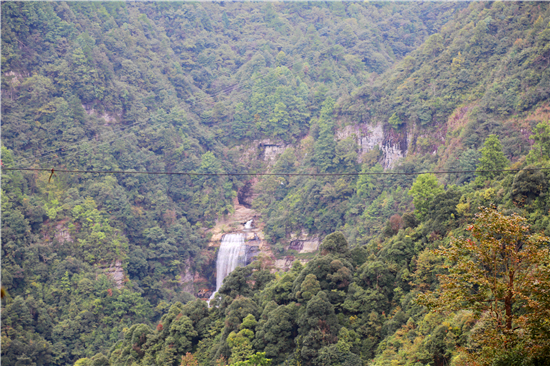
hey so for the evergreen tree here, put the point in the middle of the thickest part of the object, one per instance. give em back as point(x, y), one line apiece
point(540, 151)
point(325, 146)
point(500, 273)
point(492, 159)
point(335, 243)
point(468, 161)
point(423, 191)
point(394, 121)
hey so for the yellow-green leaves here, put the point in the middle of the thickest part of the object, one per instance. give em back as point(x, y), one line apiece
point(423, 190)
point(502, 274)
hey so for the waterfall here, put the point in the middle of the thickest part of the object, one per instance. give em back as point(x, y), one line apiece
point(230, 255)
point(248, 225)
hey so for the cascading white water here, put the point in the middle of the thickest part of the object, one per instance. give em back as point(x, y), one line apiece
point(248, 225)
point(230, 255)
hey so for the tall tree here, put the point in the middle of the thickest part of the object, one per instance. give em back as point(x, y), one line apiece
point(492, 159)
point(502, 274)
point(423, 191)
point(541, 148)
point(325, 146)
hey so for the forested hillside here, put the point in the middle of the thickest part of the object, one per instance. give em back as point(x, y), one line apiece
point(103, 269)
point(485, 73)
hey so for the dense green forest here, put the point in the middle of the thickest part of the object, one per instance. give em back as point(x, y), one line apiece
point(94, 265)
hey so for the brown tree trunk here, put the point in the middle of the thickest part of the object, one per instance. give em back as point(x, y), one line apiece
point(508, 302)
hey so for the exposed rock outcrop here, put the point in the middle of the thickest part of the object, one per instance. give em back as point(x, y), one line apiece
point(234, 223)
point(187, 278)
point(368, 137)
point(116, 273)
point(303, 243)
point(270, 149)
point(108, 118)
point(285, 263)
point(62, 234)
point(13, 78)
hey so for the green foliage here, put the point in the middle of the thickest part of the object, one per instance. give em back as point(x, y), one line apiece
point(479, 55)
point(309, 288)
point(190, 87)
point(493, 274)
point(529, 184)
point(278, 104)
point(237, 282)
point(468, 161)
point(492, 159)
point(173, 337)
point(258, 359)
point(423, 191)
point(394, 121)
point(276, 333)
point(442, 210)
point(335, 243)
point(540, 151)
point(240, 343)
point(325, 146)
point(97, 360)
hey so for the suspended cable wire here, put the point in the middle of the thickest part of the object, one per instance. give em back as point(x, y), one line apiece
point(264, 174)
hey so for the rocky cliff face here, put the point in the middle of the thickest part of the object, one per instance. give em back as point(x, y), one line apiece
point(392, 144)
point(116, 273)
point(237, 223)
point(269, 150)
point(187, 278)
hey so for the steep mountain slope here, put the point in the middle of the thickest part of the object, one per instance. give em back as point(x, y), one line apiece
point(490, 61)
point(360, 301)
point(154, 87)
point(486, 72)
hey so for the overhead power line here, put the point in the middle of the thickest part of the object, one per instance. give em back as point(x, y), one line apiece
point(53, 170)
